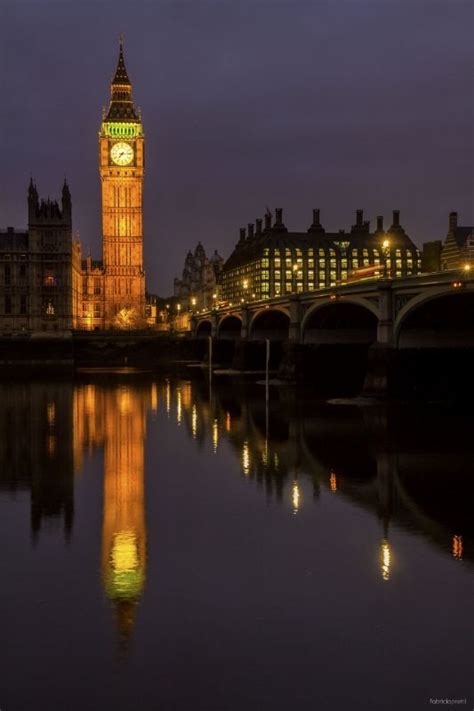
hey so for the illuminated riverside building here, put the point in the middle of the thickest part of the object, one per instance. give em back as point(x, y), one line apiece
point(270, 261)
point(45, 285)
point(114, 288)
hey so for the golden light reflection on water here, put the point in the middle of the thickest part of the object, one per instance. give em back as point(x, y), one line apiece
point(246, 458)
point(194, 422)
point(115, 419)
point(333, 482)
point(457, 547)
point(228, 422)
point(51, 413)
point(215, 435)
point(385, 559)
point(168, 397)
point(179, 406)
point(296, 497)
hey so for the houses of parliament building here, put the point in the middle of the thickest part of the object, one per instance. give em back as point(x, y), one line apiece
point(44, 282)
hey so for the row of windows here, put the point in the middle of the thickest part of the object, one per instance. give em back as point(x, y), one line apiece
point(11, 306)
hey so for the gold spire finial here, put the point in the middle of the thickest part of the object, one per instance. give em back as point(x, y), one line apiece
point(121, 40)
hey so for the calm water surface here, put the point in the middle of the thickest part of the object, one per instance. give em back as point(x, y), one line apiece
point(174, 546)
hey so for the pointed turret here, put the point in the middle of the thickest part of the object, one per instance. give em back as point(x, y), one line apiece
point(121, 104)
point(66, 204)
point(33, 201)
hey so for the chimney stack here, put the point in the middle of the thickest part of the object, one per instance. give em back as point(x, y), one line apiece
point(396, 218)
point(250, 230)
point(278, 216)
point(359, 218)
point(379, 223)
point(242, 234)
point(316, 222)
point(258, 222)
point(453, 221)
point(268, 220)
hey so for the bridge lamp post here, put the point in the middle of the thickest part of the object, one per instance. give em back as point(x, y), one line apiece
point(295, 273)
point(245, 285)
point(467, 268)
point(193, 304)
point(386, 255)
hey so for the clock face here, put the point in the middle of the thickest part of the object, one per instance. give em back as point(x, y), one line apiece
point(121, 153)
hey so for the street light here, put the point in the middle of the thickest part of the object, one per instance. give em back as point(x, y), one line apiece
point(193, 303)
point(385, 256)
point(295, 273)
point(467, 267)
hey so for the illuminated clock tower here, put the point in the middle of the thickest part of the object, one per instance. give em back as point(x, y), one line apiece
point(121, 165)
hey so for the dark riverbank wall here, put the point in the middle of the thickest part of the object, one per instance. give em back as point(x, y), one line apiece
point(442, 374)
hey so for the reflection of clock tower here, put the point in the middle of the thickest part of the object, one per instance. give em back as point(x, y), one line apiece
point(121, 164)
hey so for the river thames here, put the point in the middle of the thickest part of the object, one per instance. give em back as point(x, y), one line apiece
point(179, 545)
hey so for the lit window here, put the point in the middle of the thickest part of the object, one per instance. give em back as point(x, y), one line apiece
point(265, 263)
point(277, 274)
point(277, 263)
point(277, 289)
point(332, 263)
point(310, 263)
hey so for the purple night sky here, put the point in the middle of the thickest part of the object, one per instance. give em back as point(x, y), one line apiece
point(336, 104)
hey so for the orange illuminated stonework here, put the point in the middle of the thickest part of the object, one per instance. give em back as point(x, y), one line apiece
point(114, 288)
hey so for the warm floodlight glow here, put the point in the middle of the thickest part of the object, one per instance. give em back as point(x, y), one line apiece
point(467, 267)
point(386, 244)
point(245, 284)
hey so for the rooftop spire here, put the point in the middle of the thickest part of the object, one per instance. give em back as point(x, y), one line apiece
point(121, 76)
point(121, 104)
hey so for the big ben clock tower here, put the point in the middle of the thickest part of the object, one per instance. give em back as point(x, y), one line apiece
point(121, 165)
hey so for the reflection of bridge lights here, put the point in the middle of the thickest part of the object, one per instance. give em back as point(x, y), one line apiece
point(385, 559)
point(51, 413)
point(154, 398)
point(194, 421)
point(296, 497)
point(246, 458)
point(168, 397)
point(51, 446)
point(179, 408)
point(215, 435)
point(333, 482)
point(276, 461)
point(228, 422)
point(457, 547)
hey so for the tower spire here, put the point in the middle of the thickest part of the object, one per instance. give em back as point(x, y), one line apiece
point(121, 104)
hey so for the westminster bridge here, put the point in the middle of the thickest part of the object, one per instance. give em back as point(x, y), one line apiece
point(376, 327)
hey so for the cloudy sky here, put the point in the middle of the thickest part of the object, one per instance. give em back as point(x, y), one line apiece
point(336, 104)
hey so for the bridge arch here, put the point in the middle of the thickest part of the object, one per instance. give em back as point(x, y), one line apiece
point(271, 322)
point(442, 317)
point(340, 321)
point(204, 329)
point(229, 327)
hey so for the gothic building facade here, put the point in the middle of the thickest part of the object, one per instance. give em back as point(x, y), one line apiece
point(114, 288)
point(200, 281)
point(40, 271)
point(44, 283)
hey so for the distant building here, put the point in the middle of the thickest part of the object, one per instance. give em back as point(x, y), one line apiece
point(40, 269)
point(458, 247)
point(272, 261)
point(200, 279)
